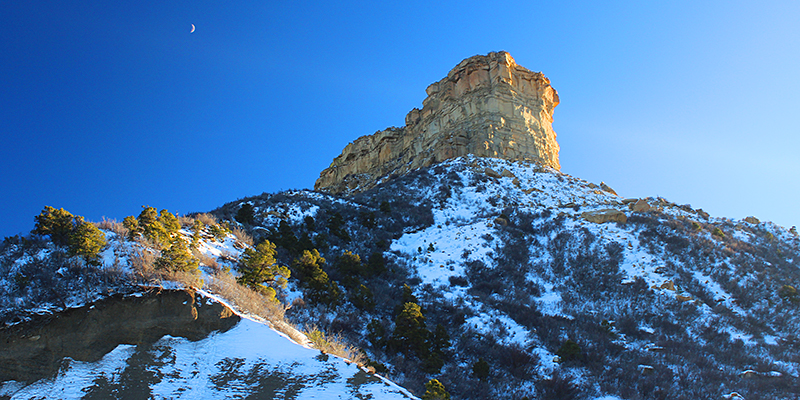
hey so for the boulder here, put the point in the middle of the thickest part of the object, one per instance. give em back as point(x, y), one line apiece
point(607, 189)
point(641, 206)
point(605, 215)
point(752, 220)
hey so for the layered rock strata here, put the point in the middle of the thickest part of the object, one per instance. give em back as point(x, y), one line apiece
point(34, 350)
point(487, 106)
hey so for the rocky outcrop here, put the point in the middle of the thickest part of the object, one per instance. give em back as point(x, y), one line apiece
point(35, 349)
point(487, 106)
point(605, 215)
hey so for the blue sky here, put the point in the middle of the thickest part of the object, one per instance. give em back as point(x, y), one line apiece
point(108, 107)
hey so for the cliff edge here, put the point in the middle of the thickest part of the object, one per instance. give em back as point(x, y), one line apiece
point(487, 106)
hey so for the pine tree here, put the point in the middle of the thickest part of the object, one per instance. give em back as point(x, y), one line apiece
point(246, 214)
point(169, 221)
point(410, 335)
point(321, 289)
point(132, 225)
point(434, 390)
point(260, 271)
point(362, 298)
point(176, 257)
point(57, 223)
point(151, 227)
point(86, 241)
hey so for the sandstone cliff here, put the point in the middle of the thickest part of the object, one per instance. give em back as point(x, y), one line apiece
point(487, 106)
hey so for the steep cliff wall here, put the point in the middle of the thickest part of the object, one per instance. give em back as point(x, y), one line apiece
point(35, 349)
point(487, 106)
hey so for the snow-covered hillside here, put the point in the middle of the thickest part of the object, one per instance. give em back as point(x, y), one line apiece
point(665, 301)
point(497, 279)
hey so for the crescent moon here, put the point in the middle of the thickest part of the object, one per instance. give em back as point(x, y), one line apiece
point(192, 31)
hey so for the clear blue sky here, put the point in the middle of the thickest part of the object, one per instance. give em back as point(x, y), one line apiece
point(108, 106)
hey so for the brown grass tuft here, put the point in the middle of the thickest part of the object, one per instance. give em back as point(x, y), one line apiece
point(243, 236)
point(206, 218)
point(334, 344)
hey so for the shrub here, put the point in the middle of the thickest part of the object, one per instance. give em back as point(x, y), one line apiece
point(334, 344)
point(569, 351)
point(480, 369)
point(718, 233)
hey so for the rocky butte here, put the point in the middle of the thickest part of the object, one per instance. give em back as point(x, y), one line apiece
point(487, 106)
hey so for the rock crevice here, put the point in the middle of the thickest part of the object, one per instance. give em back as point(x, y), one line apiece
point(487, 106)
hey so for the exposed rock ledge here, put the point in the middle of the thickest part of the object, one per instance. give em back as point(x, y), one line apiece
point(487, 106)
point(35, 349)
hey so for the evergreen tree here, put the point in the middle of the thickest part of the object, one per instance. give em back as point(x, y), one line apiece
point(434, 390)
point(197, 231)
point(260, 271)
point(132, 225)
point(362, 298)
point(376, 264)
point(439, 340)
point(151, 227)
point(86, 241)
point(57, 223)
point(80, 237)
point(410, 335)
point(176, 257)
point(246, 214)
point(286, 239)
point(321, 289)
point(169, 221)
point(480, 369)
point(376, 334)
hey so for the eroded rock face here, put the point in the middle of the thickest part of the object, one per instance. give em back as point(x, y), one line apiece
point(487, 106)
point(35, 349)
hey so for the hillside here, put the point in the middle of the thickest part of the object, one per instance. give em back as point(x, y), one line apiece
point(510, 258)
point(124, 328)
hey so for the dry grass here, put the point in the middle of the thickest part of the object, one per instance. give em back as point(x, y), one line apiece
point(224, 284)
point(334, 344)
point(113, 226)
point(206, 219)
point(205, 260)
point(186, 222)
point(243, 236)
point(145, 271)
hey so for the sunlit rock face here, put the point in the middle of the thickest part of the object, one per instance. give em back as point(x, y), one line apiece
point(487, 106)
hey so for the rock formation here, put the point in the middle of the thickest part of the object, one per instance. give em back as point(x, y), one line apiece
point(487, 106)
